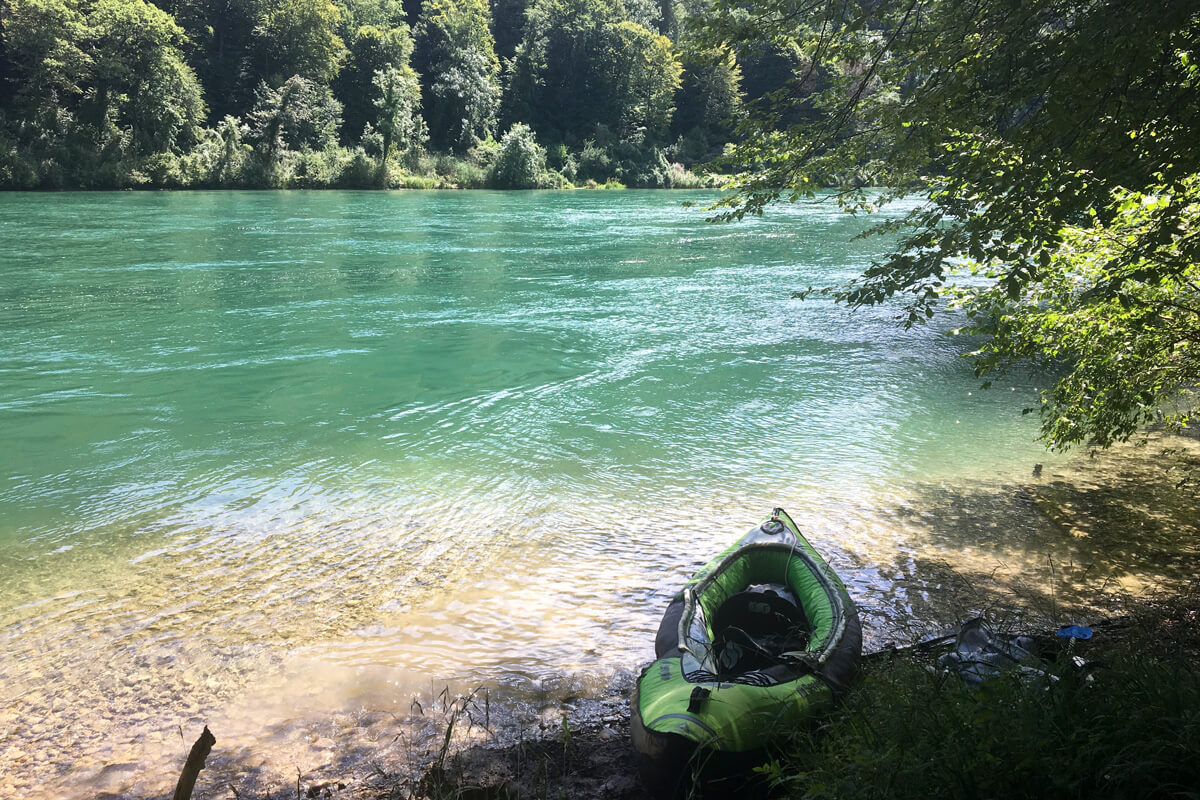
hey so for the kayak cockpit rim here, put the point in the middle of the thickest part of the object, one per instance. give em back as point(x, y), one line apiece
point(694, 631)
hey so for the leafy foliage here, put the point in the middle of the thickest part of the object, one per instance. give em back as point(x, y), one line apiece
point(398, 103)
point(139, 75)
point(1131, 356)
point(457, 56)
point(372, 49)
point(300, 37)
point(300, 114)
point(221, 49)
point(98, 91)
point(222, 157)
point(376, 13)
point(708, 100)
point(521, 162)
point(508, 21)
point(582, 64)
point(1026, 123)
point(43, 43)
point(116, 93)
point(645, 75)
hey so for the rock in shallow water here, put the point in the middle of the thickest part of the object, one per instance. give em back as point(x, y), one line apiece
point(115, 777)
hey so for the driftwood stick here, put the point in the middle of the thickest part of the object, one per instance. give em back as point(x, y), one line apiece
point(195, 763)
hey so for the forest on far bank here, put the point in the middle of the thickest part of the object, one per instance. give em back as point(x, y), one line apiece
point(366, 93)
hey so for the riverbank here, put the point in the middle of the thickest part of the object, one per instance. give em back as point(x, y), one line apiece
point(506, 165)
point(570, 738)
point(576, 744)
point(1117, 715)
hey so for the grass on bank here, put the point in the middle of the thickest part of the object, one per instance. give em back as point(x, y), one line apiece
point(1130, 730)
point(1127, 725)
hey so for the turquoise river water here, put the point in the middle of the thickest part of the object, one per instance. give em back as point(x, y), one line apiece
point(289, 463)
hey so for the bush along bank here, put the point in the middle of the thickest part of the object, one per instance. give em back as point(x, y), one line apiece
point(1126, 725)
point(1116, 717)
point(228, 158)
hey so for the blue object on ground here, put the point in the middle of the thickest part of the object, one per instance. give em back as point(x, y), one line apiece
point(979, 655)
point(1075, 632)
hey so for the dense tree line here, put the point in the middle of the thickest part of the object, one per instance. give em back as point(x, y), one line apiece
point(309, 93)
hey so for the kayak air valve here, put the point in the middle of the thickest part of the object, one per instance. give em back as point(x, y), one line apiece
point(773, 525)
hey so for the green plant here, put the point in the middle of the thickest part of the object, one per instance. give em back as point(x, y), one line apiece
point(907, 732)
point(594, 163)
point(408, 181)
point(1028, 132)
point(521, 163)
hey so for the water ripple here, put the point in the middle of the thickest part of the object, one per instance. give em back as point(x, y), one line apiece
point(275, 459)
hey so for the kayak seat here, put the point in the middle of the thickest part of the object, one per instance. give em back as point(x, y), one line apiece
point(751, 630)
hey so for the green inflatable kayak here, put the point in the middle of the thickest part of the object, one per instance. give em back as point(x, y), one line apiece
point(758, 641)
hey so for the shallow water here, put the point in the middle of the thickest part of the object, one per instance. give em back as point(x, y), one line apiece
point(289, 463)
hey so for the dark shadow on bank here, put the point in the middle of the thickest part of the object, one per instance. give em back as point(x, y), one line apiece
point(1075, 542)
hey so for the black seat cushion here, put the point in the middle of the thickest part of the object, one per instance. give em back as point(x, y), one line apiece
point(752, 628)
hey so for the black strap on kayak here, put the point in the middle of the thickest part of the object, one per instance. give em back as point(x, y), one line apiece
point(699, 695)
point(805, 664)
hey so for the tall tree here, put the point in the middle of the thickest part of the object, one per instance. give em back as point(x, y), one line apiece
point(140, 80)
point(412, 11)
point(300, 114)
point(372, 49)
point(380, 13)
point(508, 22)
point(221, 48)
point(1037, 130)
point(583, 64)
point(44, 47)
point(708, 99)
point(118, 69)
point(398, 104)
point(456, 57)
point(647, 13)
point(300, 37)
point(644, 76)
point(670, 19)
